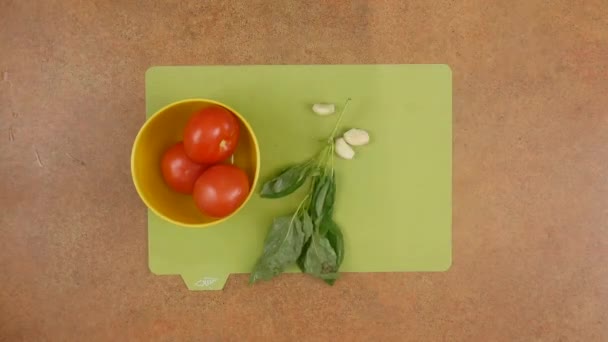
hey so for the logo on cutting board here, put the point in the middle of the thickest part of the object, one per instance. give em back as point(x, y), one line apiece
point(205, 282)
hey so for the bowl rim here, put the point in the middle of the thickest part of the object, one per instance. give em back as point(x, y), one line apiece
point(255, 176)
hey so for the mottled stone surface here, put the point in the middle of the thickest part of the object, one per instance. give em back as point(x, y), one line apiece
point(530, 170)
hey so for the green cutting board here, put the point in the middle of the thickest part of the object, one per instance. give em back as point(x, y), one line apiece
point(393, 200)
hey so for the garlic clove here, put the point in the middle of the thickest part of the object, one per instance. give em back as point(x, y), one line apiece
point(324, 108)
point(356, 137)
point(343, 149)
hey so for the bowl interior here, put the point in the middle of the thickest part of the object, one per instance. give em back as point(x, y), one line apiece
point(164, 129)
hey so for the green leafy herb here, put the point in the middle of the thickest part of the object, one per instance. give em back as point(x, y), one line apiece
point(309, 237)
point(283, 245)
point(334, 235)
point(319, 258)
point(286, 182)
point(307, 225)
point(336, 240)
point(324, 189)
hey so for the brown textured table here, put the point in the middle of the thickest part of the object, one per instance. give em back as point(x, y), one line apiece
point(530, 170)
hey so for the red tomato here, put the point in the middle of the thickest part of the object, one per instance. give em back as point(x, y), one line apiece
point(220, 190)
point(211, 135)
point(179, 171)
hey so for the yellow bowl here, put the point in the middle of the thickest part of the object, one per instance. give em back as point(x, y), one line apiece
point(161, 131)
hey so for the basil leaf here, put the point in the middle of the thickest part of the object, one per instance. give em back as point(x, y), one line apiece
point(298, 226)
point(325, 225)
point(308, 229)
point(335, 238)
point(320, 259)
point(282, 247)
point(328, 204)
point(286, 182)
point(321, 198)
point(323, 195)
point(317, 184)
point(307, 226)
point(302, 257)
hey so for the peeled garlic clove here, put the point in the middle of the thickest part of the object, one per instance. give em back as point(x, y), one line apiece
point(356, 137)
point(324, 108)
point(343, 149)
